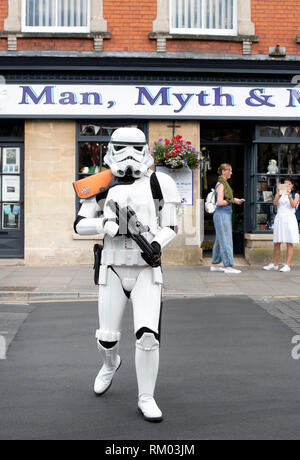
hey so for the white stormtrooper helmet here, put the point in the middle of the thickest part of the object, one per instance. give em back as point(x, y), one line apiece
point(128, 153)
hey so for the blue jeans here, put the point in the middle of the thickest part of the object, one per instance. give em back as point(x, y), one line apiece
point(223, 247)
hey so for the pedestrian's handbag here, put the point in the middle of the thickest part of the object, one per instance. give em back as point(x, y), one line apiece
point(211, 202)
point(97, 262)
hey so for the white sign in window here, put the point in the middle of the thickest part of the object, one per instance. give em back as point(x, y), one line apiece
point(10, 188)
point(183, 178)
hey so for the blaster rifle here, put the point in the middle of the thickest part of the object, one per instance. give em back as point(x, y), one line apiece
point(133, 228)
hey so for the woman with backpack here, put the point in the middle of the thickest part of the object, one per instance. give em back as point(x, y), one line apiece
point(285, 226)
point(223, 247)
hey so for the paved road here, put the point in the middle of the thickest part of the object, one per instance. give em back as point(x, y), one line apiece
point(226, 373)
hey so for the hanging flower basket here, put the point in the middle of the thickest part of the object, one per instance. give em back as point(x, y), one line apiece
point(175, 153)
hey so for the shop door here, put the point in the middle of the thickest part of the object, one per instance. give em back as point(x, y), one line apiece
point(234, 155)
point(11, 200)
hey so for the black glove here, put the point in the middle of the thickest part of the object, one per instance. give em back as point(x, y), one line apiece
point(154, 260)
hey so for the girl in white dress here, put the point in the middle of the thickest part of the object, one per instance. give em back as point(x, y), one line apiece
point(285, 226)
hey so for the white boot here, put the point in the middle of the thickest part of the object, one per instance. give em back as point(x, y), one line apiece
point(147, 362)
point(111, 363)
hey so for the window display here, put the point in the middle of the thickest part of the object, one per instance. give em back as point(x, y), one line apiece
point(11, 188)
point(89, 157)
point(11, 160)
point(10, 216)
point(275, 162)
point(279, 131)
point(265, 210)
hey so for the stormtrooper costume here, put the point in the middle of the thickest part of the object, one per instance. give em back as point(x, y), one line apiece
point(125, 272)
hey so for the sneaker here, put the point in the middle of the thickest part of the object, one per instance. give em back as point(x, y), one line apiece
point(285, 269)
point(271, 267)
point(217, 269)
point(232, 270)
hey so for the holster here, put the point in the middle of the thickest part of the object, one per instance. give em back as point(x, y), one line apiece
point(97, 262)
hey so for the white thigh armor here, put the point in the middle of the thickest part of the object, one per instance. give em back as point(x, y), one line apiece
point(144, 287)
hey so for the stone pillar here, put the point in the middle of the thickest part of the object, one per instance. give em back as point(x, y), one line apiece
point(161, 23)
point(245, 25)
point(185, 249)
point(50, 160)
point(13, 21)
point(98, 23)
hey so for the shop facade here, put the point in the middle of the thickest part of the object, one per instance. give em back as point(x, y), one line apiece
point(55, 130)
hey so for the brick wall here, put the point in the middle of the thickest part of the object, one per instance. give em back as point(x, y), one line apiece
point(196, 46)
point(277, 23)
point(3, 12)
point(48, 44)
point(130, 21)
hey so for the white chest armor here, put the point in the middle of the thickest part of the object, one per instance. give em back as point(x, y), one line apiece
point(121, 250)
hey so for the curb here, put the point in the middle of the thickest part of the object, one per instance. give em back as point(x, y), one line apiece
point(32, 296)
point(28, 296)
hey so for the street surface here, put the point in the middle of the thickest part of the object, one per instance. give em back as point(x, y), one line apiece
point(226, 373)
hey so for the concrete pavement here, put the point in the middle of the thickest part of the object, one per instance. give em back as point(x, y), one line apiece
point(39, 283)
point(22, 286)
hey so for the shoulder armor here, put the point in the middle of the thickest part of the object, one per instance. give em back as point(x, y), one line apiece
point(168, 188)
point(92, 185)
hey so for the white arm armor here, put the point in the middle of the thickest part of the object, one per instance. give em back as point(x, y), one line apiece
point(89, 224)
point(168, 214)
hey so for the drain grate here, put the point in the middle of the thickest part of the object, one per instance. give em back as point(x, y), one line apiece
point(17, 288)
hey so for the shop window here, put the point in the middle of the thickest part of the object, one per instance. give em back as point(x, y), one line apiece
point(275, 161)
point(93, 139)
point(9, 129)
point(279, 131)
point(216, 17)
point(56, 15)
point(10, 188)
point(219, 132)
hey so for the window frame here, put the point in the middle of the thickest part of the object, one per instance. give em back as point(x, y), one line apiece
point(256, 176)
point(205, 31)
point(55, 29)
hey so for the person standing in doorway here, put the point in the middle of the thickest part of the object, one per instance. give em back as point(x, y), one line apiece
point(223, 246)
point(285, 225)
